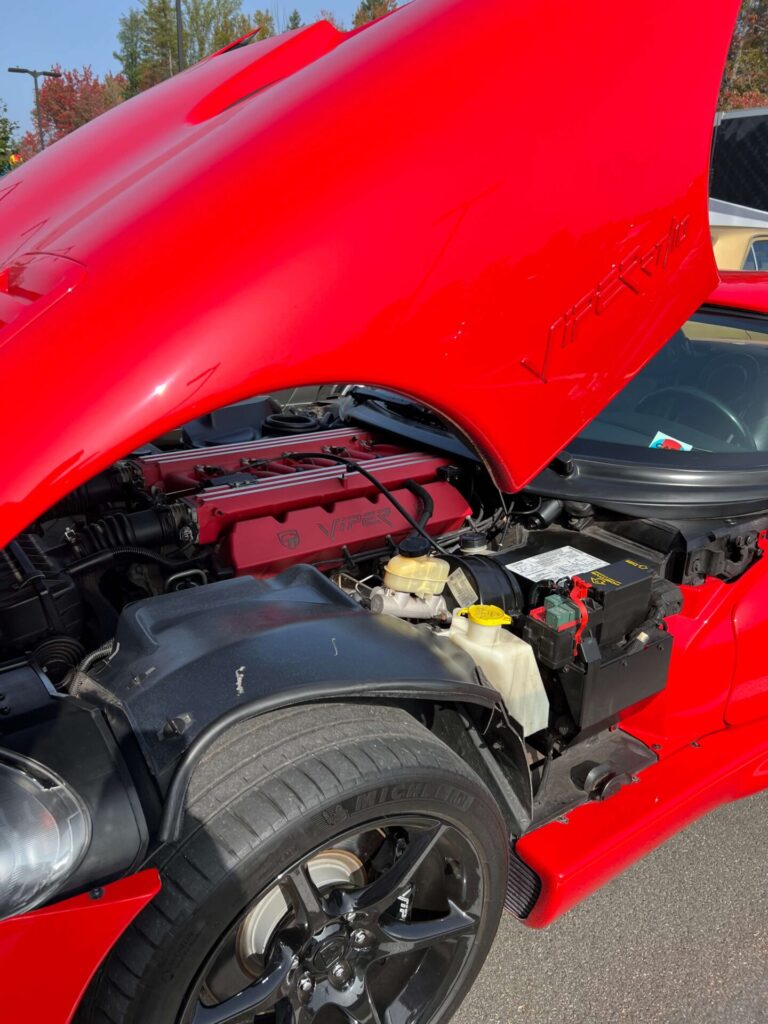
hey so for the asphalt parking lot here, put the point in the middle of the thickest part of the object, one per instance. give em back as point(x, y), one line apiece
point(680, 937)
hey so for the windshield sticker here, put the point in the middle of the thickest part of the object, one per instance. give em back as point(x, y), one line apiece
point(671, 444)
point(554, 565)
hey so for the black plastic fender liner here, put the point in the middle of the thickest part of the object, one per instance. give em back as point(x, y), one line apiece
point(173, 809)
point(187, 666)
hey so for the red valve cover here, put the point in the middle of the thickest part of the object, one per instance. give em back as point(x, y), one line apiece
point(269, 506)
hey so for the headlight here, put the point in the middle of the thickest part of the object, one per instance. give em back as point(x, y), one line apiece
point(45, 830)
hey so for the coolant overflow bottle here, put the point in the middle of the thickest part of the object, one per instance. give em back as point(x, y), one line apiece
point(507, 661)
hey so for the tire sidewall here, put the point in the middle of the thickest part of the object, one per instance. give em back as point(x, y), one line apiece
point(454, 799)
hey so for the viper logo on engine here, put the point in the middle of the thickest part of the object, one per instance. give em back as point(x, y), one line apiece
point(346, 524)
point(289, 538)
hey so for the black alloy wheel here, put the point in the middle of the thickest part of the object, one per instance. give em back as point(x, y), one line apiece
point(339, 864)
point(386, 949)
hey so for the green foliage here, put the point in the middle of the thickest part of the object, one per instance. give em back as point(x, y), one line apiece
point(211, 24)
point(745, 82)
point(294, 21)
point(326, 15)
point(147, 38)
point(157, 41)
point(8, 129)
point(131, 52)
point(265, 22)
point(369, 10)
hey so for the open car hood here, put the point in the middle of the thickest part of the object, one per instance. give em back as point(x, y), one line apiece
point(500, 214)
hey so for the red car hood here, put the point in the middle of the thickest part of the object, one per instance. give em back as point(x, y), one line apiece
point(500, 214)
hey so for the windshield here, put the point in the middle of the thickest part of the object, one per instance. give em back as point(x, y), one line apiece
point(706, 391)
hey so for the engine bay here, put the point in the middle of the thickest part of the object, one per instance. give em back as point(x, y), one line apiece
point(560, 606)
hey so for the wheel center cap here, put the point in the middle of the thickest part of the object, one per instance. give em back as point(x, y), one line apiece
point(330, 952)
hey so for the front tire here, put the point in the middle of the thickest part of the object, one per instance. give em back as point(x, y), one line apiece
point(338, 862)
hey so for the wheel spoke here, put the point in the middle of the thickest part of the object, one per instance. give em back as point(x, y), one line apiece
point(383, 892)
point(259, 997)
point(303, 1015)
point(363, 1010)
point(287, 1013)
point(409, 936)
point(308, 905)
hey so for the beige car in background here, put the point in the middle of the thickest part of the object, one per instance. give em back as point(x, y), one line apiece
point(740, 248)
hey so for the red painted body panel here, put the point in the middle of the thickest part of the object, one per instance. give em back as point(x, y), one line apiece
point(742, 289)
point(455, 202)
point(71, 938)
point(602, 839)
point(718, 669)
point(701, 670)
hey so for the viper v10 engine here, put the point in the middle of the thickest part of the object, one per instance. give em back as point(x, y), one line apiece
point(565, 620)
point(169, 520)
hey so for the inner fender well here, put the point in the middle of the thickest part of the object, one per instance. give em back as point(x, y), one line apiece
point(187, 662)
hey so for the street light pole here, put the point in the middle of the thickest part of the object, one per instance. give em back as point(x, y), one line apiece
point(36, 75)
point(37, 109)
point(179, 35)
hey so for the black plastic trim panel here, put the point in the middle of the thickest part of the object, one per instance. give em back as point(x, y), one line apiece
point(523, 888)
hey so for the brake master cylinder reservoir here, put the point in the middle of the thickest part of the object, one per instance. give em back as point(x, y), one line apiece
point(422, 575)
point(507, 661)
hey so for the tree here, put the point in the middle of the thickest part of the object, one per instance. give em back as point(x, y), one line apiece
point(326, 15)
point(369, 10)
point(745, 82)
point(147, 37)
point(68, 102)
point(157, 41)
point(211, 24)
point(265, 22)
point(294, 21)
point(131, 52)
point(8, 129)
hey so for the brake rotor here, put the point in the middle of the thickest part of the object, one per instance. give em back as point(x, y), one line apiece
point(331, 869)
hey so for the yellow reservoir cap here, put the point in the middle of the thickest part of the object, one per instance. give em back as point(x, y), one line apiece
point(486, 615)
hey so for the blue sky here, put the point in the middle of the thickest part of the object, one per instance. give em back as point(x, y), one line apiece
point(39, 33)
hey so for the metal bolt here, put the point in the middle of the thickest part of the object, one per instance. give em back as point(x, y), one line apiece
point(339, 972)
point(306, 984)
point(5, 710)
point(70, 535)
point(359, 937)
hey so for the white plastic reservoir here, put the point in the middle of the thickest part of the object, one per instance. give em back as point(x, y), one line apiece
point(507, 662)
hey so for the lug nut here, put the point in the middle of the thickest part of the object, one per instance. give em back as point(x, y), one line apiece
point(339, 972)
point(306, 985)
point(359, 937)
